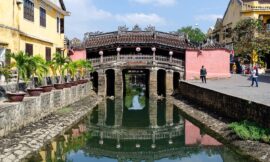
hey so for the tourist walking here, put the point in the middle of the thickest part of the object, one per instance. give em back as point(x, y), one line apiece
point(254, 77)
point(203, 74)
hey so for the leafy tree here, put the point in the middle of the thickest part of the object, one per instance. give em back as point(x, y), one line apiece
point(251, 40)
point(195, 35)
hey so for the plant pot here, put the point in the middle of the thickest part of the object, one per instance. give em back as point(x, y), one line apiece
point(47, 88)
point(83, 81)
point(68, 85)
point(15, 97)
point(74, 83)
point(59, 86)
point(35, 91)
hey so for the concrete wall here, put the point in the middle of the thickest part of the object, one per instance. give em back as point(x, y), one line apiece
point(14, 116)
point(217, 63)
point(78, 55)
point(226, 105)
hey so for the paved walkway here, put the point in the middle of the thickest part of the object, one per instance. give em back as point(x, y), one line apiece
point(239, 86)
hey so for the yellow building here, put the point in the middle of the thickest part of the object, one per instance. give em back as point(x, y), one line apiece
point(32, 26)
point(237, 10)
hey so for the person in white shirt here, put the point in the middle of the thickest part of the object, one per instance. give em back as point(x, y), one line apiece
point(254, 77)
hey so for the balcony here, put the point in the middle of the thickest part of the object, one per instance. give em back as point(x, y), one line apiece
point(247, 7)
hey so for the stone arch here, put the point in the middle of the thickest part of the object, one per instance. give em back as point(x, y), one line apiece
point(94, 79)
point(161, 82)
point(110, 82)
point(176, 78)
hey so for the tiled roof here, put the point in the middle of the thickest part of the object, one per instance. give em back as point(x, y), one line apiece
point(137, 37)
point(213, 45)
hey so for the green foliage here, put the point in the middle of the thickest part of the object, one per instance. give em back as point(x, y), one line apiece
point(250, 131)
point(84, 66)
point(195, 35)
point(58, 63)
point(6, 72)
point(249, 36)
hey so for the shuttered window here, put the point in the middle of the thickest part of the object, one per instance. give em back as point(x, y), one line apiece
point(42, 16)
point(57, 24)
point(48, 54)
point(62, 25)
point(29, 49)
point(28, 10)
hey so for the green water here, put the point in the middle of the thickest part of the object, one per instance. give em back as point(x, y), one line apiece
point(136, 129)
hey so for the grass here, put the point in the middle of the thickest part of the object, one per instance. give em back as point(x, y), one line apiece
point(251, 131)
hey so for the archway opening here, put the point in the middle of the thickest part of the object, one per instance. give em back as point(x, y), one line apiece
point(94, 78)
point(176, 78)
point(110, 82)
point(161, 82)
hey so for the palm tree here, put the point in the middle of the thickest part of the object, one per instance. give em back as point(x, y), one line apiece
point(84, 66)
point(40, 68)
point(59, 60)
point(24, 65)
point(72, 68)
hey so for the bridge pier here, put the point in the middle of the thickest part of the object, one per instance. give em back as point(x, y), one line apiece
point(153, 113)
point(169, 82)
point(102, 108)
point(169, 113)
point(153, 84)
point(118, 84)
point(102, 87)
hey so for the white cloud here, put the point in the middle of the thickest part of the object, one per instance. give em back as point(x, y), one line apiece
point(141, 19)
point(156, 2)
point(86, 17)
point(208, 17)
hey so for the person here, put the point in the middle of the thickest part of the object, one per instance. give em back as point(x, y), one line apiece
point(203, 74)
point(243, 69)
point(254, 77)
point(234, 68)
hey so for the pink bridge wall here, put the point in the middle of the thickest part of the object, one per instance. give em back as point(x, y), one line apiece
point(78, 55)
point(216, 62)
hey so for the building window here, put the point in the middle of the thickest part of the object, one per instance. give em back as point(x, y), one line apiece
point(42, 17)
point(28, 10)
point(58, 25)
point(62, 25)
point(48, 54)
point(29, 49)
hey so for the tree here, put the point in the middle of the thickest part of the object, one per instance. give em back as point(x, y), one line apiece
point(195, 35)
point(251, 40)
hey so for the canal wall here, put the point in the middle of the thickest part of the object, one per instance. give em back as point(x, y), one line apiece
point(14, 116)
point(226, 105)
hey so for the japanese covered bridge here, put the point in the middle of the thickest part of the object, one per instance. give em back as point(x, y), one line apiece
point(165, 58)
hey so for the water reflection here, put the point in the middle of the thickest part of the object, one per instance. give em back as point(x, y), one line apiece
point(136, 129)
point(99, 138)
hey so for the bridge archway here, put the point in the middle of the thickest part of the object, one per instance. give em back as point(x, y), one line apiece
point(110, 82)
point(161, 82)
point(94, 78)
point(176, 78)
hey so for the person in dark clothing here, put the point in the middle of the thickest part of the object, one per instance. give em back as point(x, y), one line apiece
point(203, 74)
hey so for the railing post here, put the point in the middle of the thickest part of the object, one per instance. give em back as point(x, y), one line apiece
point(171, 54)
point(118, 49)
point(101, 56)
point(154, 53)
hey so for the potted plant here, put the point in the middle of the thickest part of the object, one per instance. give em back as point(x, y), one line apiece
point(51, 68)
point(60, 61)
point(38, 70)
point(84, 66)
point(23, 72)
point(72, 68)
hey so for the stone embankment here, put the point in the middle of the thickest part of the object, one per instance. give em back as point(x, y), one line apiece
point(226, 105)
point(215, 111)
point(21, 144)
point(14, 116)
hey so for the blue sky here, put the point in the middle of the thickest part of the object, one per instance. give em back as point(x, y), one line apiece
point(165, 15)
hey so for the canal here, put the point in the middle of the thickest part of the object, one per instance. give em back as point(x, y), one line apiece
point(135, 128)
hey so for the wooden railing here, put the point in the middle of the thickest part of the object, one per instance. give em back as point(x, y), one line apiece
point(149, 59)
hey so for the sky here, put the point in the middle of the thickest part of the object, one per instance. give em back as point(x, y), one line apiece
point(165, 15)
